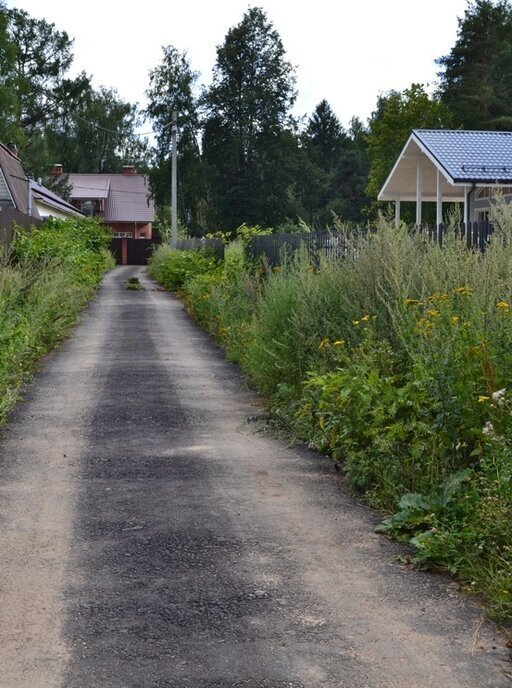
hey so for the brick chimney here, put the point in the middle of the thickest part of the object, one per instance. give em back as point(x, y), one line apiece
point(128, 170)
point(56, 169)
point(13, 149)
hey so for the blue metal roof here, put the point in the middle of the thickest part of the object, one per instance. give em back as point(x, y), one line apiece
point(470, 156)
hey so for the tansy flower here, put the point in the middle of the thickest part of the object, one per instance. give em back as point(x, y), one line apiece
point(413, 302)
point(339, 342)
point(433, 313)
point(463, 291)
point(324, 344)
point(365, 318)
point(482, 398)
point(503, 306)
point(454, 319)
point(356, 322)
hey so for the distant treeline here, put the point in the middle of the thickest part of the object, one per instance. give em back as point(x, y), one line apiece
point(243, 156)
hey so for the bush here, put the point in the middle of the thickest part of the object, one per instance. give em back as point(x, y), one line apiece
point(53, 272)
point(173, 268)
point(397, 361)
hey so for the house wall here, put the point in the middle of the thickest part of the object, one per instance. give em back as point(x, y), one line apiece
point(51, 211)
point(479, 204)
point(137, 230)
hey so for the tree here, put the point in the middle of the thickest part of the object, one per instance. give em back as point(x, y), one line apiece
point(476, 76)
point(97, 135)
point(171, 88)
point(9, 105)
point(324, 136)
point(248, 104)
point(397, 114)
point(335, 168)
point(43, 57)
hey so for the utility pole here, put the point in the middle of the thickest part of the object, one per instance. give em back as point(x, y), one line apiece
point(174, 184)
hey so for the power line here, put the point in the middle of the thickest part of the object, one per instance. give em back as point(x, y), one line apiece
point(93, 124)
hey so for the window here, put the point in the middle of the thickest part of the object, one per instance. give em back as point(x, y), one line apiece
point(122, 235)
point(483, 215)
point(5, 195)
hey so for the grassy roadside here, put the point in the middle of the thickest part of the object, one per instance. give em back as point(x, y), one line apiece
point(398, 365)
point(45, 282)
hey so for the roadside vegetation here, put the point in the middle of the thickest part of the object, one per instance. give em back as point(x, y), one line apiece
point(45, 282)
point(398, 364)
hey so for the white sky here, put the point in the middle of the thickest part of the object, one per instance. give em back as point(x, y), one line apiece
point(344, 50)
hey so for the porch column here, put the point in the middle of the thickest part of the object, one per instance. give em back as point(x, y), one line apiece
point(397, 212)
point(419, 184)
point(465, 216)
point(439, 211)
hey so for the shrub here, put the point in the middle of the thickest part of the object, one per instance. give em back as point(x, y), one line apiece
point(397, 361)
point(53, 272)
point(173, 268)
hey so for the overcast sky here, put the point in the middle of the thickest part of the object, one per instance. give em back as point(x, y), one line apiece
point(344, 51)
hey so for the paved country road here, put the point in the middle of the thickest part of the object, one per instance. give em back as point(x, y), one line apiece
point(151, 537)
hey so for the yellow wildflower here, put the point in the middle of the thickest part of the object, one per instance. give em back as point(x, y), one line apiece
point(423, 326)
point(482, 398)
point(463, 291)
point(324, 344)
point(365, 318)
point(433, 313)
point(339, 342)
point(438, 297)
point(413, 302)
point(356, 322)
point(454, 319)
point(503, 306)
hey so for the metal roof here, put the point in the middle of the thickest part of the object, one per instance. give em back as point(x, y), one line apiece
point(470, 156)
point(51, 199)
point(89, 186)
point(127, 198)
point(15, 177)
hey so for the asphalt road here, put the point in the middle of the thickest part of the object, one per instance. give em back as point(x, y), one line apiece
point(151, 536)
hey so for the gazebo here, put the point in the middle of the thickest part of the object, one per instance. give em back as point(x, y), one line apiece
point(441, 165)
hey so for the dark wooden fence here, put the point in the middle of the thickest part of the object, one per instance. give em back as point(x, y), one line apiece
point(8, 218)
point(275, 248)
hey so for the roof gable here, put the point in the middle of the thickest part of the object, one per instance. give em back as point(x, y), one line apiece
point(15, 178)
point(6, 199)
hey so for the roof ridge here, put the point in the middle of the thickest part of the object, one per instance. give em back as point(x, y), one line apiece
point(466, 131)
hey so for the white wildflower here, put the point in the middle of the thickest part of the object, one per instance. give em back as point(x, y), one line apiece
point(499, 396)
point(488, 428)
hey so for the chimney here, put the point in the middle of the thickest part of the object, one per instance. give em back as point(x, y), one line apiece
point(13, 148)
point(128, 170)
point(56, 169)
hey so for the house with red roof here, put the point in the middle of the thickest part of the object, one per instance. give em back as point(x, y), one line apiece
point(122, 201)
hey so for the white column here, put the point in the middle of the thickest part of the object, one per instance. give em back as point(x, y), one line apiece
point(419, 180)
point(465, 218)
point(439, 211)
point(397, 212)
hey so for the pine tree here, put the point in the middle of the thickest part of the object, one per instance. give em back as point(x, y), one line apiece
point(476, 76)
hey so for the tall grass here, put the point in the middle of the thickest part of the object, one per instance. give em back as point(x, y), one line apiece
point(44, 284)
point(398, 363)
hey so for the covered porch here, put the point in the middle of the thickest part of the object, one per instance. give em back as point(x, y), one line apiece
point(418, 177)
